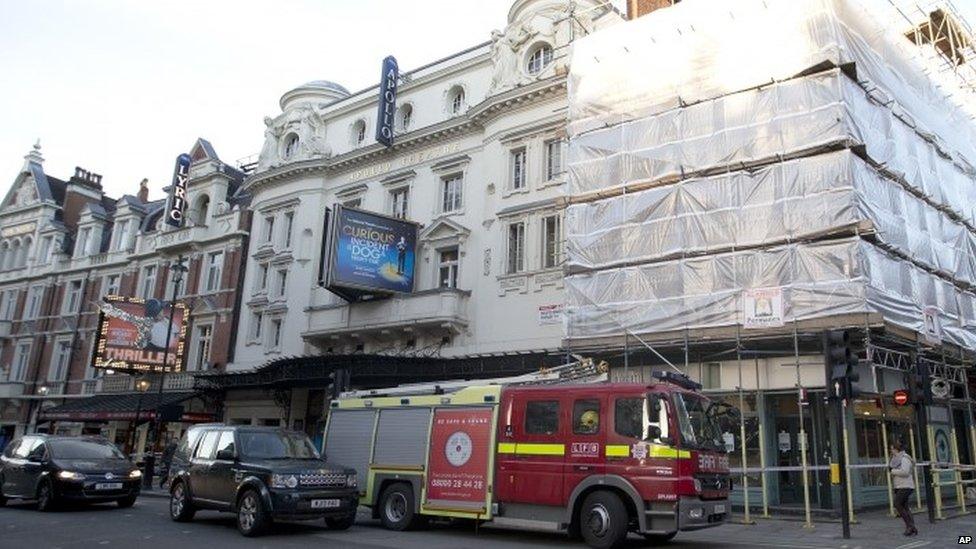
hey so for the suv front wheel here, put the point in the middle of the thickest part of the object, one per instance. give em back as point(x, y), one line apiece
point(252, 517)
point(180, 508)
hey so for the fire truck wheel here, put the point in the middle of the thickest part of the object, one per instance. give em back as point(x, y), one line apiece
point(397, 508)
point(659, 539)
point(603, 520)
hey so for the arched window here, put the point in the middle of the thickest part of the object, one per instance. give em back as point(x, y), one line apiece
point(4, 255)
point(406, 117)
point(359, 133)
point(15, 252)
point(291, 145)
point(457, 100)
point(201, 210)
point(28, 242)
point(539, 59)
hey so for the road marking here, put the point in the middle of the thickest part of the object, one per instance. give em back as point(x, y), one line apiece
point(912, 545)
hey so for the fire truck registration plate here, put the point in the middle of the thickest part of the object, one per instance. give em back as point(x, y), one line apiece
point(109, 486)
point(324, 503)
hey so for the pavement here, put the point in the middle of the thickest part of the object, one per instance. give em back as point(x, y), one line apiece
point(147, 526)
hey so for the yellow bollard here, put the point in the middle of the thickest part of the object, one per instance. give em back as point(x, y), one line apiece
point(847, 460)
point(936, 477)
point(762, 466)
point(891, 493)
point(918, 486)
point(960, 493)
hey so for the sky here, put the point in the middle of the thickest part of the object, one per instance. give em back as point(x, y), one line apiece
point(121, 87)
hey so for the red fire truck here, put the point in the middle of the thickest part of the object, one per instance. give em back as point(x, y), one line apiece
point(598, 460)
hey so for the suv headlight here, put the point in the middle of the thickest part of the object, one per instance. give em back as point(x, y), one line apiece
point(284, 481)
point(352, 480)
point(70, 475)
point(135, 474)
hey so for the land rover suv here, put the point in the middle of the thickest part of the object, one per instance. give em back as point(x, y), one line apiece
point(262, 474)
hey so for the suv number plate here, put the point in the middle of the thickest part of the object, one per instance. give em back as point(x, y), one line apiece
point(719, 509)
point(109, 486)
point(324, 503)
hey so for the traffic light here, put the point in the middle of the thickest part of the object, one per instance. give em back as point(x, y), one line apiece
point(841, 362)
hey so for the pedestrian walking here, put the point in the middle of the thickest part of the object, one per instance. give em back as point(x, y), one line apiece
point(902, 476)
point(165, 462)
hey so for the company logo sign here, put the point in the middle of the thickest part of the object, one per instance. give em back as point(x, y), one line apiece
point(387, 107)
point(176, 207)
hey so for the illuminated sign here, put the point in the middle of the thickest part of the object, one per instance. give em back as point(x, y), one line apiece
point(387, 107)
point(177, 191)
point(369, 253)
point(132, 335)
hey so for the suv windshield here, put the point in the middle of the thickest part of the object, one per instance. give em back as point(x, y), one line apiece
point(699, 428)
point(275, 445)
point(83, 449)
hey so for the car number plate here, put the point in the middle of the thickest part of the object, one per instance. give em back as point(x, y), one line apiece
point(109, 486)
point(719, 509)
point(324, 503)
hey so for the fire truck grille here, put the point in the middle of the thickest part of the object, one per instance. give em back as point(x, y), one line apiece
point(713, 483)
point(327, 480)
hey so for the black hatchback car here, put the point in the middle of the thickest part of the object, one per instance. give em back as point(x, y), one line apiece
point(262, 474)
point(55, 469)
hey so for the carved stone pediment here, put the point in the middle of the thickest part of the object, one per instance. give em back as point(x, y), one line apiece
point(444, 231)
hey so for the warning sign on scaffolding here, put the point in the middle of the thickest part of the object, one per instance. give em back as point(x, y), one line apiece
point(932, 326)
point(762, 308)
point(551, 314)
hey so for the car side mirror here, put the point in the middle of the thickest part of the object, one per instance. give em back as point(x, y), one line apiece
point(225, 455)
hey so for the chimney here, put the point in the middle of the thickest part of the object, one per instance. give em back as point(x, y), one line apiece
point(143, 195)
point(86, 178)
point(638, 8)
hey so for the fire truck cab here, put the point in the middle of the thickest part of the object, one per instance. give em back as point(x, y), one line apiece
point(599, 460)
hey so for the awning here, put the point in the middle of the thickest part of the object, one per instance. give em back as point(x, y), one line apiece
point(123, 407)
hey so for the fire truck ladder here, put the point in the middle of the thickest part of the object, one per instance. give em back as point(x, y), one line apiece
point(583, 370)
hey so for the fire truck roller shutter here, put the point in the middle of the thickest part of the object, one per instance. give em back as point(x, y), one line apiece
point(401, 437)
point(598, 482)
point(349, 441)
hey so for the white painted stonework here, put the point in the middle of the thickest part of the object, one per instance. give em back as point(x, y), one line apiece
point(467, 114)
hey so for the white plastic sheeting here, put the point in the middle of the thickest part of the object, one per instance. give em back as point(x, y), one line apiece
point(796, 117)
point(817, 279)
point(787, 201)
point(702, 49)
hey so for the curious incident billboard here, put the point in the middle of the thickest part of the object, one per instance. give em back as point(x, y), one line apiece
point(370, 252)
point(132, 335)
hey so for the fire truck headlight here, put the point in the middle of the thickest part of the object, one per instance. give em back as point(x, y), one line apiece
point(696, 513)
point(698, 486)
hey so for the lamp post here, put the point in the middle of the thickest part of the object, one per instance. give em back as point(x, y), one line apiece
point(141, 386)
point(177, 269)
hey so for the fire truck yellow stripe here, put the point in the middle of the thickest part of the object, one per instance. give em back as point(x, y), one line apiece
point(618, 450)
point(667, 452)
point(506, 447)
point(540, 449)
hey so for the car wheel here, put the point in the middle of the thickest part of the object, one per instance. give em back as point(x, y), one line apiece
point(603, 520)
point(397, 508)
point(659, 539)
point(45, 496)
point(252, 517)
point(340, 523)
point(180, 507)
point(125, 503)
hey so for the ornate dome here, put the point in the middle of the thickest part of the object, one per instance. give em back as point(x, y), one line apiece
point(314, 92)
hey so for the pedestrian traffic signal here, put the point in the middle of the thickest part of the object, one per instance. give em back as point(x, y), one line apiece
point(920, 384)
point(841, 362)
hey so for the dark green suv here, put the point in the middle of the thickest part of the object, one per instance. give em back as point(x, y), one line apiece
point(262, 474)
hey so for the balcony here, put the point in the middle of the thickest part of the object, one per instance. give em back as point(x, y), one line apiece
point(440, 310)
point(11, 389)
point(124, 383)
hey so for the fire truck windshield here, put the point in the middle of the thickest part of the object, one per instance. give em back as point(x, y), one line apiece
point(698, 425)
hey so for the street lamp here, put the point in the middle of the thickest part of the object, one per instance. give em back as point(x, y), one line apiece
point(141, 386)
point(177, 270)
point(43, 390)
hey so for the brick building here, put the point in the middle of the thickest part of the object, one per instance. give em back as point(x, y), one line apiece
point(64, 245)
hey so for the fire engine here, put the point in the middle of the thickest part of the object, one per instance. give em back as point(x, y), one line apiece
point(550, 450)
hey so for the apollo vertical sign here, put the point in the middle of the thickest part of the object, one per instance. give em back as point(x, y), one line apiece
point(177, 191)
point(387, 108)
